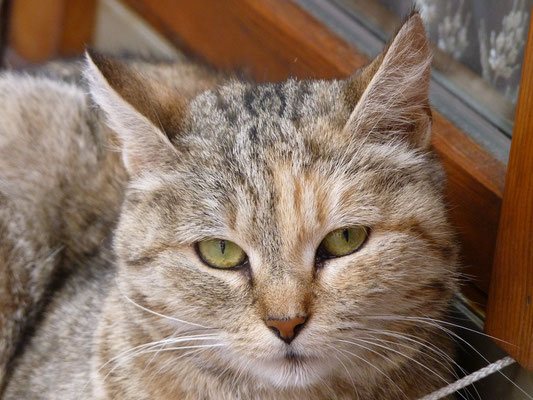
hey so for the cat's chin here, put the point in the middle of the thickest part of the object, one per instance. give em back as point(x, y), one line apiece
point(292, 371)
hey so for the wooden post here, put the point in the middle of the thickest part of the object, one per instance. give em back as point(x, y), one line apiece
point(510, 307)
point(41, 30)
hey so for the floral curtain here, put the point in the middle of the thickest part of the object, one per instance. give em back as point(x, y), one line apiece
point(488, 36)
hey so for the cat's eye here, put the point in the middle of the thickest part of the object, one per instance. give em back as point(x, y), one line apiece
point(220, 253)
point(342, 242)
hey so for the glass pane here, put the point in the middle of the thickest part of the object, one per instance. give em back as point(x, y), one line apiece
point(478, 46)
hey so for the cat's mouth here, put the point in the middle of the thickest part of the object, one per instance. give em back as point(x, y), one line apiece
point(294, 360)
point(293, 357)
point(293, 369)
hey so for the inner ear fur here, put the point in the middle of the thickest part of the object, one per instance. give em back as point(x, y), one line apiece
point(140, 110)
point(164, 107)
point(390, 96)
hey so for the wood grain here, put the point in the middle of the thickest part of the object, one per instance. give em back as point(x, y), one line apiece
point(35, 28)
point(78, 23)
point(256, 37)
point(275, 39)
point(510, 309)
point(41, 30)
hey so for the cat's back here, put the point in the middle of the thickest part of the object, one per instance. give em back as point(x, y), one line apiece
point(59, 162)
point(61, 186)
point(60, 189)
point(49, 138)
point(60, 182)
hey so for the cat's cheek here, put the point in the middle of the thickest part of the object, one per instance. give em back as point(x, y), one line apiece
point(237, 279)
point(178, 286)
point(364, 280)
point(335, 270)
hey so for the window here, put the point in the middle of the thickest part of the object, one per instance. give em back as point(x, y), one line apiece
point(478, 51)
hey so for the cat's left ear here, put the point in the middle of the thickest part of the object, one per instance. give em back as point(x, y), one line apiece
point(392, 92)
point(144, 113)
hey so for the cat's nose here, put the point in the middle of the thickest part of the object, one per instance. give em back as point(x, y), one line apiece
point(286, 329)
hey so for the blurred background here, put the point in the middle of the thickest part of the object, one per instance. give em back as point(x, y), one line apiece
point(37, 31)
point(478, 44)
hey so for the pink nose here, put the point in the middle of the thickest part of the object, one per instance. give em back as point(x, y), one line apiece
point(286, 329)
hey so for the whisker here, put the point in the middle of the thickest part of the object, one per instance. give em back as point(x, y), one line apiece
point(372, 365)
point(138, 350)
point(173, 360)
point(427, 345)
point(421, 342)
point(179, 339)
point(162, 315)
point(402, 354)
point(436, 323)
point(448, 367)
point(439, 361)
point(200, 346)
point(155, 355)
point(346, 369)
point(452, 334)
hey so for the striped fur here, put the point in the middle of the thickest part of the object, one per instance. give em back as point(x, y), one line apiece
point(274, 168)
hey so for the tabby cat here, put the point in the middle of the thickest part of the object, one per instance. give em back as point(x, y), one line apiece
point(177, 234)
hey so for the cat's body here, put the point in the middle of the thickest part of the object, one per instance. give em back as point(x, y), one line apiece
point(272, 167)
point(61, 186)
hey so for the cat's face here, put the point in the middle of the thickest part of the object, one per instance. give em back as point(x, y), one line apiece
point(274, 169)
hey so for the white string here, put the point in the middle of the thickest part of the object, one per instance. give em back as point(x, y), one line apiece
point(469, 379)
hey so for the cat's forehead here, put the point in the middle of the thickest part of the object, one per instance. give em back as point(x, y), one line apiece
point(243, 132)
point(255, 126)
point(238, 104)
point(274, 157)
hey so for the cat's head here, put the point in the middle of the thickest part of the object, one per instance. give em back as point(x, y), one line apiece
point(322, 195)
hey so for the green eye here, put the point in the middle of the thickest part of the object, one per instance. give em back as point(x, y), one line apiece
point(219, 253)
point(342, 242)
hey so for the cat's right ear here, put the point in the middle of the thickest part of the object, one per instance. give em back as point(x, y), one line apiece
point(142, 112)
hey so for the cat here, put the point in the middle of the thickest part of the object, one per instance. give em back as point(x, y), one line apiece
point(169, 232)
